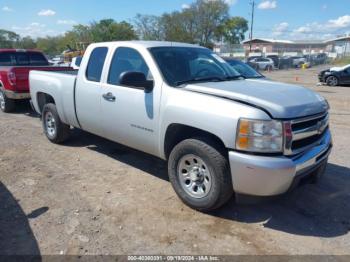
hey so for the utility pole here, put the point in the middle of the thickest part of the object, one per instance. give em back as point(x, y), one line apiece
point(252, 25)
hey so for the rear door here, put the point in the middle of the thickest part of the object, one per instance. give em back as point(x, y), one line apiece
point(88, 91)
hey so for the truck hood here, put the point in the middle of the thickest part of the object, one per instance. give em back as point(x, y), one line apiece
point(282, 101)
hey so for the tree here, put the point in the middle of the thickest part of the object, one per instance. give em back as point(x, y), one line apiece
point(175, 28)
point(49, 45)
point(8, 39)
point(233, 30)
point(149, 27)
point(110, 30)
point(197, 24)
point(26, 43)
point(209, 15)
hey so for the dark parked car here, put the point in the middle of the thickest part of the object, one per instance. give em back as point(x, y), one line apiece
point(281, 62)
point(245, 70)
point(316, 59)
point(275, 59)
point(335, 76)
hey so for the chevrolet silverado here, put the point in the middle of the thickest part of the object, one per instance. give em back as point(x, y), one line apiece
point(221, 134)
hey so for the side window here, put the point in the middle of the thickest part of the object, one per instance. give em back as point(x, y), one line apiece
point(95, 65)
point(5, 59)
point(37, 59)
point(125, 60)
point(22, 59)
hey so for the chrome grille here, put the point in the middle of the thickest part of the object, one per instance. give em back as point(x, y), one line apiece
point(302, 134)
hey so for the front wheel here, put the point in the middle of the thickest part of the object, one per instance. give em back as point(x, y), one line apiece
point(55, 130)
point(332, 81)
point(7, 105)
point(200, 174)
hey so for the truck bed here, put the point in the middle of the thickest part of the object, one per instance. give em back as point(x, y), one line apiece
point(60, 85)
point(21, 74)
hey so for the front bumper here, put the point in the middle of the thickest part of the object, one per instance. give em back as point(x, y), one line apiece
point(321, 78)
point(270, 176)
point(16, 95)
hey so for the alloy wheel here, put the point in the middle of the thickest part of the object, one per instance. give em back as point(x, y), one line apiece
point(194, 176)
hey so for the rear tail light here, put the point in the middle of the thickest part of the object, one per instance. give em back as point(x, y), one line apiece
point(12, 78)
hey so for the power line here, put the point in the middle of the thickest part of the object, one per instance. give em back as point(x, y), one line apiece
point(252, 25)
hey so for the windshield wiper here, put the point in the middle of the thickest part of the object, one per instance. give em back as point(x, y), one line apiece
point(200, 79)
point(208, 79)
point(228, 78)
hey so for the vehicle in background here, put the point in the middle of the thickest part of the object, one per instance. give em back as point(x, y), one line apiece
point(76, 61)
point(56, 61)
point(335, 76)
point(221, 134)
point(285, 62)
point(70, 53)
point(262, 63)
point(244, 69)
point(298, 61)
point(15, 65)
point(275, 59)
point(316, 59)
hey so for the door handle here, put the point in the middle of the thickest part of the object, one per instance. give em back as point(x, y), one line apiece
point(109, 97)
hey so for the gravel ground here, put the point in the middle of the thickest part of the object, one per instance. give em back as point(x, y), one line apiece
point(92, 196)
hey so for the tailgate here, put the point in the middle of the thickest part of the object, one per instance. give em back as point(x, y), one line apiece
point(22, 75)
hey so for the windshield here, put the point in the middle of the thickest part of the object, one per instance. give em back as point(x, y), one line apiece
point(180, 65)
point(244, 69)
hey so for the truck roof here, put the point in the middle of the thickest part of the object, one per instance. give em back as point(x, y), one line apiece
point(148, 44)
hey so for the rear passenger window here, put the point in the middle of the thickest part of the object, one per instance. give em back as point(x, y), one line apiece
point(22, 59)
point(37, 59)
point(95, 65)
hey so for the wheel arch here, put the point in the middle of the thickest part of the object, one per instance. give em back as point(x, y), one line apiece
point(43, 99)
point(175, 133)
point(333, 75)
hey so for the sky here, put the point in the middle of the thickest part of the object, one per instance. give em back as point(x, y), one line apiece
point(277, 19)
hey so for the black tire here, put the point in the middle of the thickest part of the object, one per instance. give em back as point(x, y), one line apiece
point(332, 81)
point(221, 189)
point(7, 105)
point(58, 132)
point(319, 174)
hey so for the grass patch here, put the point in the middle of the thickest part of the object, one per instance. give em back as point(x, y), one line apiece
point(342, 61)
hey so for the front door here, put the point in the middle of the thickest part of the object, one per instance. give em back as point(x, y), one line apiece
point(130, 115)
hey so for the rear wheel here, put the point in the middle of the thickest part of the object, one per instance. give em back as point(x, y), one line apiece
point(332, 81)
point(7, 105)
point(268, 68)
point(200, 174)
point(55, 130)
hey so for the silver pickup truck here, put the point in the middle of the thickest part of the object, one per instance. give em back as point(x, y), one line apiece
point(221, 134)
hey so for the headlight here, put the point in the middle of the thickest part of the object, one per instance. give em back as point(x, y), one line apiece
point(259, 136)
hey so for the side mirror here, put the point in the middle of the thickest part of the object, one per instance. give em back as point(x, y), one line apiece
point(136, 80)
